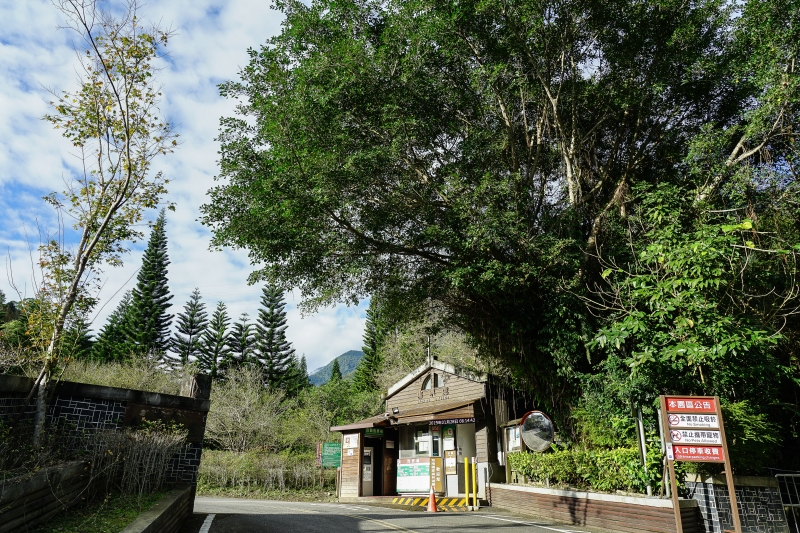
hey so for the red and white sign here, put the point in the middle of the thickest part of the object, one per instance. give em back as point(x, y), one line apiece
point(703, 454)
point(684, 436)
point(693, 421)
point(691, 405)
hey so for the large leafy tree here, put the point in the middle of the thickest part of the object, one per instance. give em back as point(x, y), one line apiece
point(272, 349)
point(147, 321)
point(214, 345)
point(464, 153)
point(187, 341)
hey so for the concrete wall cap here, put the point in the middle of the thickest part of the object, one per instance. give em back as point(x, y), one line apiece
point(599, 496)
point(144, 521)
point(738, 481)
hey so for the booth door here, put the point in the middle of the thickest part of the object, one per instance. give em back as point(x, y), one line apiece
point(367, 472)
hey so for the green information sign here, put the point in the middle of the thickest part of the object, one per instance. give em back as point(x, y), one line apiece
point(331, 454)
point(414, 475)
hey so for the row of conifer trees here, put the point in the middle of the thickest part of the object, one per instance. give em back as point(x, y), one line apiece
point(140, 325)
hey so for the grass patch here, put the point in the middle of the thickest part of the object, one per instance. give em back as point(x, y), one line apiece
point(110, 515)
point(258, 493)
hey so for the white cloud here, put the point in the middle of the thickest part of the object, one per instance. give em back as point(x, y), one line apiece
point(210, 46)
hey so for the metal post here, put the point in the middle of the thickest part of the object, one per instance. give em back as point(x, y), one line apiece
point(737, 525)
point(475, 482)
point(466, 479)
point(643, 446)
point(676, 502)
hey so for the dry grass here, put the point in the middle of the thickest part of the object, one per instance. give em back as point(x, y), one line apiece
point(138, 374)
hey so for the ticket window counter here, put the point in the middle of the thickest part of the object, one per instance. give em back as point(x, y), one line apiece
point(434, 455)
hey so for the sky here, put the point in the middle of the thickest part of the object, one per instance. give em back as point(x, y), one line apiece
point(210, 46)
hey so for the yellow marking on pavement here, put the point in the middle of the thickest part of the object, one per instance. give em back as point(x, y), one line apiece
point(385, 524)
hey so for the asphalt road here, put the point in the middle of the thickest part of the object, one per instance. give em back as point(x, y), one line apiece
point(229, 515)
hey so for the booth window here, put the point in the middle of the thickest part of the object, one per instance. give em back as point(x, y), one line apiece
point(433, 381)
point(415, 441)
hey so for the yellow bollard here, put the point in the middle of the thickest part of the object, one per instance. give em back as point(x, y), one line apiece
point(475, 481)
point(466, 479)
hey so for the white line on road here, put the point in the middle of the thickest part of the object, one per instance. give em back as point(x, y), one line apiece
point(527, 523)
point(207, 524)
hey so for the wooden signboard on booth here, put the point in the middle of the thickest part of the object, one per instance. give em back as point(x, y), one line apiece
point(695, 432)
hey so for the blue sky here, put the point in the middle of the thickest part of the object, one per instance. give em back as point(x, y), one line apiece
point(210, 46)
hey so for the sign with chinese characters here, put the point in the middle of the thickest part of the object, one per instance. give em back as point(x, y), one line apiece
point(690, 436)
point(331, 455)
point(452, 421)
point(691, 405)
point(692, 421)
point(350, 441)
point(413, 475)
point(700, 454)
point(450, 466)
point(438, 484)
point(373, 432)
point(695, 432)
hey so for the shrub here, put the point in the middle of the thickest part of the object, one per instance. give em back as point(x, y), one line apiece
point(602, 470)
point(135, 461)
point(259, 471)
point(244, 415)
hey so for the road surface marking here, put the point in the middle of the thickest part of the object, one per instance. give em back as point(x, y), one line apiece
point(385, 524)
point(528, 524)
point(207, 524)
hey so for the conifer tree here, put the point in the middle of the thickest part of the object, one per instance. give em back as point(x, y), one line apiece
point(365, 376)
point(192, 324)
point(241, 342)
point(214, 346)
point(77, 341)
point(296, 376)
point(111, 343)
point(273, 351)
point(147, 322)
point(336, 372)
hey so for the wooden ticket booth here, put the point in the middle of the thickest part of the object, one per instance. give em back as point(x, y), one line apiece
point(435, 417)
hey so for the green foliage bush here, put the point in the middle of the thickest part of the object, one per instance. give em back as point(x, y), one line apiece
point(259, 471)
point(601, 470)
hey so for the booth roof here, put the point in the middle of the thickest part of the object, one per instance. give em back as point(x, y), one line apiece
point(376, 421)
point(408, 416)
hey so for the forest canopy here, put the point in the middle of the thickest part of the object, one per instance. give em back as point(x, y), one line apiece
point(593, 192)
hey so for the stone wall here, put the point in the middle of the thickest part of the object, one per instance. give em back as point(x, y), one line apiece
point(78, 410)
point(759, 499)
point(32, 499)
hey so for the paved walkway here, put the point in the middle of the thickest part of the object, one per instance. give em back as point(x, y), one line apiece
point(230, 515)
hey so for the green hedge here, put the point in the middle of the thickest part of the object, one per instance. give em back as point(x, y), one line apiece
point(601, 470)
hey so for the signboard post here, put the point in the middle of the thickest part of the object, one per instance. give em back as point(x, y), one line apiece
point(694, 432)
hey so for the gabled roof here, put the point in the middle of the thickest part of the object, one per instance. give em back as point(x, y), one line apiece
point(371, 422)
point(437, 365)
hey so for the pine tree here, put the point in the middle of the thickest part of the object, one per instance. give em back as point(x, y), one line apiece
point(214, 349)
point(336, 372)
point(191, 326)
point(296, 376)
point(111, 342)
point(77, 341)
point(366, 373)
point(273, 351)
point(241, 343)
point(147, 323)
